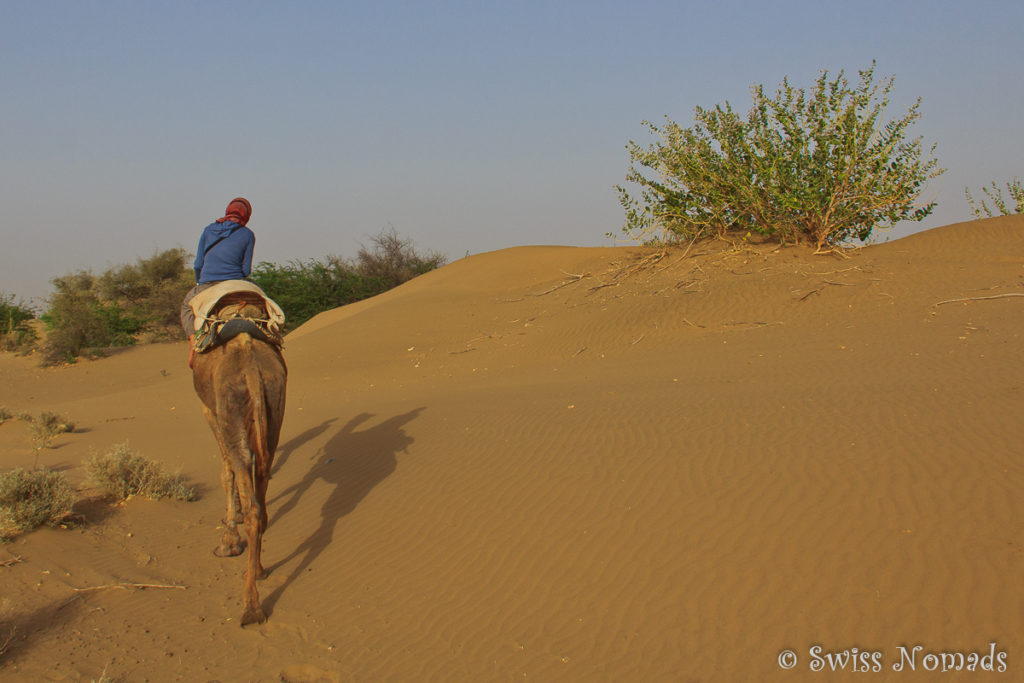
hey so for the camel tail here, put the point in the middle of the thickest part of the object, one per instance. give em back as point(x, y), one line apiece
point(257, 420)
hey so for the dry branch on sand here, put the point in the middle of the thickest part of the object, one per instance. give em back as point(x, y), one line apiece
point(126, 586)
point(573, 279)
point(980, 298)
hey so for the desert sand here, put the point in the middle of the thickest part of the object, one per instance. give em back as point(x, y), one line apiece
point(570, 464)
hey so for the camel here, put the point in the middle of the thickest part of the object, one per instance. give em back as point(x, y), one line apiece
point(241, 383)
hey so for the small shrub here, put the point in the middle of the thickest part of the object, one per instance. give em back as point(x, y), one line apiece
point(995, 195)
point(31, 498)
point(123, 473)
point(48, 426)
point(821, 166)
point(58, 424)
point(5, 415)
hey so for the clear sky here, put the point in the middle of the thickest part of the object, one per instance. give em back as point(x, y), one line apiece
point(126, 126)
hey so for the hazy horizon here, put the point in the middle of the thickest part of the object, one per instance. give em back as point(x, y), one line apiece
point(467, 127)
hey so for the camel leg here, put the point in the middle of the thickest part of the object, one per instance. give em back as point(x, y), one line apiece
point(260, 513)
point(261, 484)
point(260, 491)
point(231, 544)
point(253, 514)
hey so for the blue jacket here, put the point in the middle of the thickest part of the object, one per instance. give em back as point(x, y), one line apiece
point(229, 258)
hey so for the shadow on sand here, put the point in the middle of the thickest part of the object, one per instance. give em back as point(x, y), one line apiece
point(352, 463)
point(285, 450)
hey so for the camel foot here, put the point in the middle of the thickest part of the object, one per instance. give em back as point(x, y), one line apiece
point(253, 615)
point(229, 549)
point(262, 574)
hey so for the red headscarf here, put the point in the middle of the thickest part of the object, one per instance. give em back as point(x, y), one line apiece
point(239, 210)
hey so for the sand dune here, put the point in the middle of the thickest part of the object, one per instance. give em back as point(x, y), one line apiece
point(571, 464)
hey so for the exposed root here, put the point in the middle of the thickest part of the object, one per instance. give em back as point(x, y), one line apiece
point(620, 272)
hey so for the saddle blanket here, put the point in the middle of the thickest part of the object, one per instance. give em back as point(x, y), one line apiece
point(240, 299)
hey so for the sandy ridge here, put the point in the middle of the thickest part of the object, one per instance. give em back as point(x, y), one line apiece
point(502, 469)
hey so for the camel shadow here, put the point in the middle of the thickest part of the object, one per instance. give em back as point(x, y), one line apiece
point(352, 463)
point(285, 450)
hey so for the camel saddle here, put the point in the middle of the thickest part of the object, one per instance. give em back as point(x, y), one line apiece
point(232, 307)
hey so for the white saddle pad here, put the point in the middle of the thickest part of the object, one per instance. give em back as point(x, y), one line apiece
point(203, 302)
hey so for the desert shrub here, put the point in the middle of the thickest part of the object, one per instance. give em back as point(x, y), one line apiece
point(48, 426)
point(89, 312)
point(392, 260)
point(15, 332)
point(306, 288)
point(31, 498)
point(995, 195)
point(150, 290)
point(5, 415)
point(79, 320)
point(823, 166)
point(122, 473)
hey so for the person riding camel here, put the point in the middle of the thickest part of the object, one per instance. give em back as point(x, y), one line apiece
point(224, 253)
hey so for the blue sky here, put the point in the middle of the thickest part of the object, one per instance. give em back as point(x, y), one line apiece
point(467, 126)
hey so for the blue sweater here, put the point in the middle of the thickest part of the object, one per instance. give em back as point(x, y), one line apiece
point(228, 259)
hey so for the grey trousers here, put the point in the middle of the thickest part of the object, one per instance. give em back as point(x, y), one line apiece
point(188, 317)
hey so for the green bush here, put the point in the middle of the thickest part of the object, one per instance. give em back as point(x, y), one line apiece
point(15, 332)
point(306, 288)
point(822, 166)
point(995, 194)
point(79, 320)
point(87, 312)
point(151, 290)
point(122, 473)
point(31, 498)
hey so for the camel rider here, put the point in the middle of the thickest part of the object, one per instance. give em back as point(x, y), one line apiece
point(224, 253)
